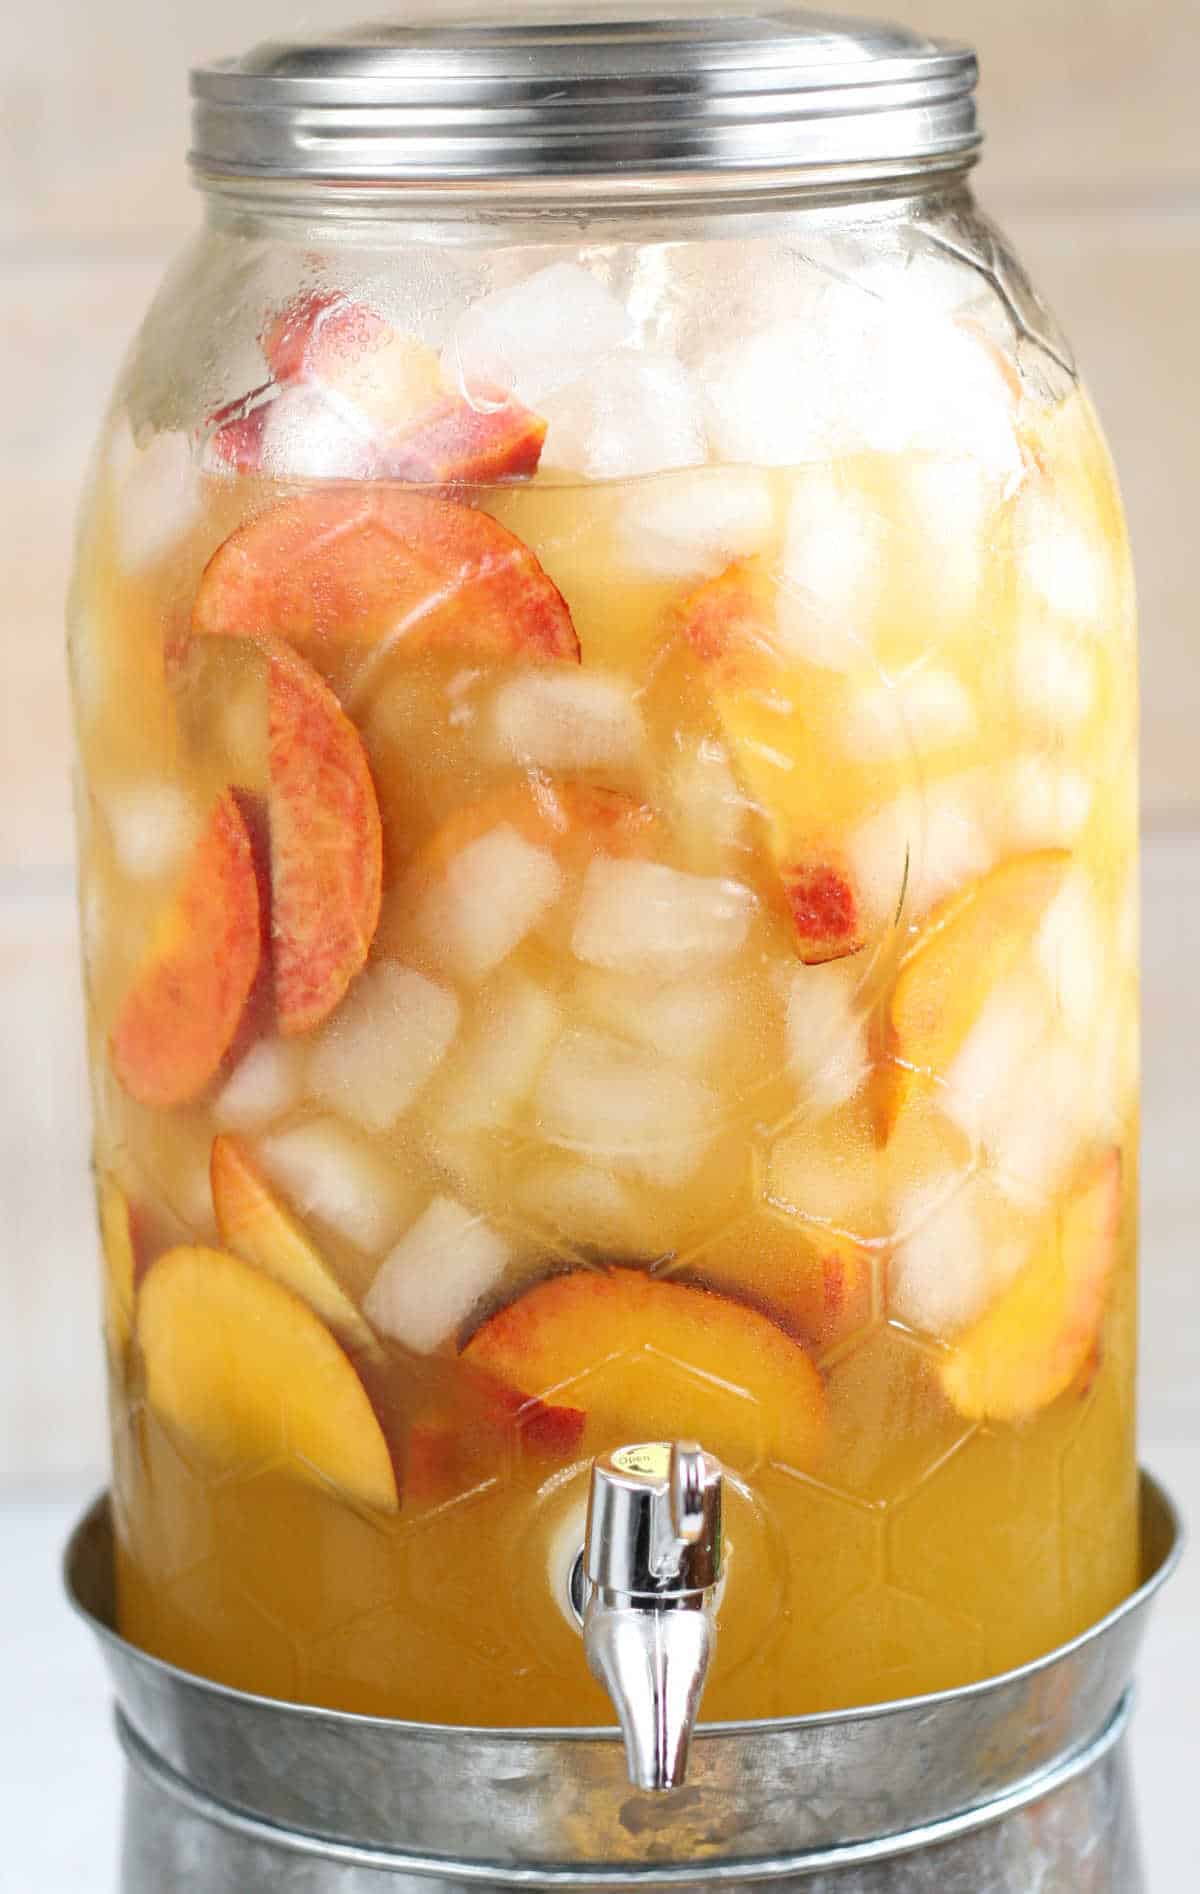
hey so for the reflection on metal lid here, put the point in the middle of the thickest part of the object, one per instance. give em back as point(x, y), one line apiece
point(582, 93)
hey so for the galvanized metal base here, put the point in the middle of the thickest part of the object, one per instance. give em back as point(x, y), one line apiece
point(1015, 1784)
point(1078, 1834)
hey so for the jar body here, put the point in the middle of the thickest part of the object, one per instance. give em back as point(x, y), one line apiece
point(608, 828)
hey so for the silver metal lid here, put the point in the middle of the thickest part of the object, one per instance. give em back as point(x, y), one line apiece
point(707, 87)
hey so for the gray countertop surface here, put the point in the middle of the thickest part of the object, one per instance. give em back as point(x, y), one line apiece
point(60, 1772)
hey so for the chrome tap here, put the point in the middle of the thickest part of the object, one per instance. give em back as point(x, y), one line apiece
point(645, 1589)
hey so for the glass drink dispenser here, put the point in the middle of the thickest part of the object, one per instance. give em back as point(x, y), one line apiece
point(603, 648)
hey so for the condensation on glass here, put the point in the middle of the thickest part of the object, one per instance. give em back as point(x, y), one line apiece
point(607, 819)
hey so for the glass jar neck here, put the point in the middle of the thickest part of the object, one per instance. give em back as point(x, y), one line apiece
point(370, 211)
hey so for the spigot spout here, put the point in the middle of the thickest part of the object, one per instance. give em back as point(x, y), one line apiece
point(653, 1664)
point(651, 1565)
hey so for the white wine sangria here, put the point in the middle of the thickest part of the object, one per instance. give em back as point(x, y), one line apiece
point(607, 823)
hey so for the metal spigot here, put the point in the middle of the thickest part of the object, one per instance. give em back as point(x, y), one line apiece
point(645, 1589)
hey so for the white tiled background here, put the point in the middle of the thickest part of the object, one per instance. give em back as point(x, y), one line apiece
point(1094, 169)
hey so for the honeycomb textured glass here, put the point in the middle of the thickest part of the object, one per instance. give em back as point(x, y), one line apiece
point(607, 828)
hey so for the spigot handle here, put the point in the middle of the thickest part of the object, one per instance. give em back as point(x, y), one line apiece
point(650, 1568)
point(687, 1490)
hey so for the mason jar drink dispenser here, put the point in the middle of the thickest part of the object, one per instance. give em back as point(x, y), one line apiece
point(603, 651)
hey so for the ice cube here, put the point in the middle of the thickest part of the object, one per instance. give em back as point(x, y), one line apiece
point(588, 1206)
point(643, 917)
point(331, 1175)
point(856, 370)
point(311, 432)
point(938, 1274)
point(939, 386)
point(884, 853)
point(434, 1276)
point(1037, 1131)
point(954, 1257)
point(709, 811)
point(1070, 950)
point(620, 1106)
point(1045, 804)
point(685, 1020)
point(535, 336)
point(999, 1048)
point(766, 401)
point(831, 575)
point(517, 1025)
point(924, 845)
point(1065, 561)
point(561, 718)
point(690, 526)
point(956, 846)
point(913, 274)
point(1053, 680)
point(952, 502)
point(826, 1034)
point(383, 1045)
point(633, 413)
point(494, 892)
point(265, 1085)
point(926, 710)
point(152, 825)
point(158, 503)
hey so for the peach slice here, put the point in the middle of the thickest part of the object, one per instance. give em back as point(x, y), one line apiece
point(234, 442)
point(314, 333)
point(824, 907)
point(449, 1449)
point(968, 945)
point(248, 1375)
point(831, 1295)
point(659, 1359)
point(818, 1282)
point(457, 444)
point(120, 1267)
point(389, 377)
point(729, 623)
point(255, 1226)
point(419, 431)
point(326, 844)
point(380, 567)
point(587, 821)
point(182, 1012)
point(1043, 1331)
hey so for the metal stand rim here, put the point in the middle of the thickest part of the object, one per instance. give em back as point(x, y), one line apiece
point(102, 1625)
point(714, 1874)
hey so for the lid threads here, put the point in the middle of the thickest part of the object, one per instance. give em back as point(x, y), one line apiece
point(727, 97)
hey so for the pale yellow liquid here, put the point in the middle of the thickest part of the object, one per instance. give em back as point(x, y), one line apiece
point(918, 1549)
